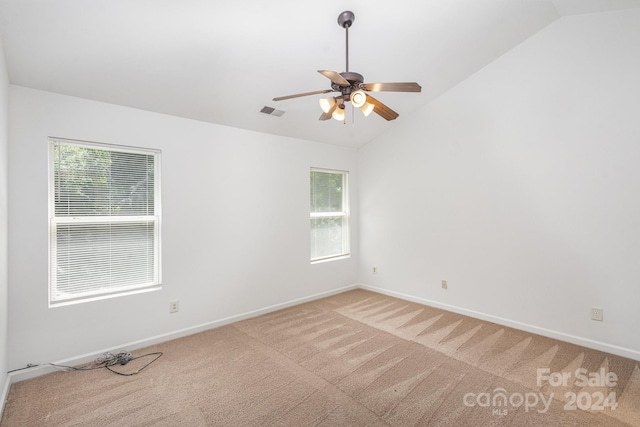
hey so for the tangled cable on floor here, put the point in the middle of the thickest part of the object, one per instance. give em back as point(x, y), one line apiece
point(106, 361)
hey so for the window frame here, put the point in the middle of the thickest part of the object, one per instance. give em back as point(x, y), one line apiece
point(344, 214)
point(56, 221)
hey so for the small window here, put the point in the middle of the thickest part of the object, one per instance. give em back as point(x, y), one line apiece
point(104, 220)
point(329, 215)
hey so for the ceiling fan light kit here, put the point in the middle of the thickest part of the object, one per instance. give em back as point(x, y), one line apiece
point(352, 88)
point(366, 109)
point(338, 114)
point(328, 104)
point(358, 98)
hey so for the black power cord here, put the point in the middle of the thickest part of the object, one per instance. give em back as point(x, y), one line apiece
point(107, 360)
point(127, 358)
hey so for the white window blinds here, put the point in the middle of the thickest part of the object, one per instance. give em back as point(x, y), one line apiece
point(104, 205)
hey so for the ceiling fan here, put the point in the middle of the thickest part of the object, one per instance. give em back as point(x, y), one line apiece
point(352, 88)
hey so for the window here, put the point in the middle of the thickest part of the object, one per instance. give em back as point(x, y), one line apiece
point(104, 220)
point(329, 215)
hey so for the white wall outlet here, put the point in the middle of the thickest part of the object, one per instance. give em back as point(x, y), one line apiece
point(444, 284)
point(596, 313)
point(173, 307)
point(375, 270)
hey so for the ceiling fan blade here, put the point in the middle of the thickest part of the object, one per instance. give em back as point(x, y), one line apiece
point(381, 109)
point(335, 77)
point(325, 116)
point(297, 95)
point(392, 87)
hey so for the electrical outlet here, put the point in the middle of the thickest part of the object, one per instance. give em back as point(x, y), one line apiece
point(375, 270)
point(173, 307)
point(596, 314)
point(444, 284)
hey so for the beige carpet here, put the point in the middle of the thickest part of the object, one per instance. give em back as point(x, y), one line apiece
point(358, 358)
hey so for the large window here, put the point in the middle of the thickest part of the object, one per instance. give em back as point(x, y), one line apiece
point(329, 215)
point(104, 220)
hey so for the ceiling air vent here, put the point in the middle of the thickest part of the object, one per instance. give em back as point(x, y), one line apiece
point(272, 111)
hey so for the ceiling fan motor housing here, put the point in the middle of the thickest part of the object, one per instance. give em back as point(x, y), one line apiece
point(354, 79)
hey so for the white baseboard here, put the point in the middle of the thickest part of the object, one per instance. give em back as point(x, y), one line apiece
point(5, 394)
point(86, 358)
point(573, 339)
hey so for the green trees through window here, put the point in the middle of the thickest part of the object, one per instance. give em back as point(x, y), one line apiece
point(93, 182)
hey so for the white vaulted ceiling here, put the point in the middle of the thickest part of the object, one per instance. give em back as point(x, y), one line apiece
point(222, 61)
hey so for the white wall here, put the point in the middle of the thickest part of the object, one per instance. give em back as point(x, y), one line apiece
point(4, 165)
point(521, 187)
point(235, 225)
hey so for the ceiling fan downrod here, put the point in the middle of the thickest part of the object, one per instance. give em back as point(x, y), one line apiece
point(345, 20)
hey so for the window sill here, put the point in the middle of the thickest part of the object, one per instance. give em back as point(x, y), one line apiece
point(81, 300)
point(336, 258)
